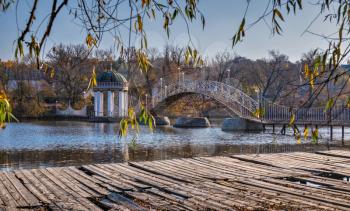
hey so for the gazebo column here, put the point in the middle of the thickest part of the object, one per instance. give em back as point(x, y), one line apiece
point(99, 104)
point(110, 104)
point(123, 104)
point(126, 100)
point(95, 103)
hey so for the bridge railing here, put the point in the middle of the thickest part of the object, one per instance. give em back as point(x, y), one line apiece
point(246, 107)
point(314, 115)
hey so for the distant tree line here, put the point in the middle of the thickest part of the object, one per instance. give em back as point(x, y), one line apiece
point(65, 77)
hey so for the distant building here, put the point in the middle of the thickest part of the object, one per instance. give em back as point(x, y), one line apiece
point(35, 78)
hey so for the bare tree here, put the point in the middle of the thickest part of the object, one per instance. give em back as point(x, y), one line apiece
point(72, 70)
point(220, 64)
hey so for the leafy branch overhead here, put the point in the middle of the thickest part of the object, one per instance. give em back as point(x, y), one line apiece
point(133, 120)
point(101, 17)
point(276, 17)
point(5, 111)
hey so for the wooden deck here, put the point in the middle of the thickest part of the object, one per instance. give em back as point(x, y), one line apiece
point(293, 181)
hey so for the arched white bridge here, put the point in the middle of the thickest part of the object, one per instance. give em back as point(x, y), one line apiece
point(246, 107)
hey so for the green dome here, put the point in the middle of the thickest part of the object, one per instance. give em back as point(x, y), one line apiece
point(111, 76)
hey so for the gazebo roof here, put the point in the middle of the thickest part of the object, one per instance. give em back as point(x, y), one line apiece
point(111, 80)
point(111, 76)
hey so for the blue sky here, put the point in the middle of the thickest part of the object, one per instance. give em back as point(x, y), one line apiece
point(222, 19)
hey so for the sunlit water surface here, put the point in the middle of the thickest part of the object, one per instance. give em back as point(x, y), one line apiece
point(62, 143)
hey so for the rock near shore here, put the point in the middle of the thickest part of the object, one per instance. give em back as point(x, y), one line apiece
point(238, 124)
point(190, 122)
point(162, 120)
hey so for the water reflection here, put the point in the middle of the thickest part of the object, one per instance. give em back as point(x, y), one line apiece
point(42, 144)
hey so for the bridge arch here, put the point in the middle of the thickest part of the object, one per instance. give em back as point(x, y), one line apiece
point(232, 98)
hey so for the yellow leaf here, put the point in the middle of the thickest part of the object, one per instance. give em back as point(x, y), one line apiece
point(166, 22)
point(139, 22)
point(52, 74)
point(90, 40)
point(315, 135)
point(278, 13)
point(298, 139)
point(5, 110)
point(306, 71)
point(312, 82)
point(292, 119)
point(306, 132)
point(348, 103)
point(258, 113)
point(93, 81)
point(329, 104)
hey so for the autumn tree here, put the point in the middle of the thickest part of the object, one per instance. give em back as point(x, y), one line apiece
point(72, 68)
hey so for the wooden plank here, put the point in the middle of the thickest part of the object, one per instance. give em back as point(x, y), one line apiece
point(273, 194)
point(32, 188)
point(148, 201)
point(313, 188)
point(174, 189)
point(72, 182)
point(16, 196)
point(335, 184)
point(250, 197)
point(31, 200)
point(110, 205)
point(151, 180)
point(162, 187)
point(158, 173)
point(335, 153)
point(252, 168)
point(75, 193)
point(123, 201)
point(220, 165)
point(112, 184)
point(179, 174)
point(317, 198)
point(6, 197)
point(63, 199)
point(176, 202)
point(200, 171)
point(117, 177)
point(88, 181)
point(38, 185)
point(300, 163)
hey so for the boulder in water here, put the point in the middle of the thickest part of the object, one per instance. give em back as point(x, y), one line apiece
point(190, 122)
point(239, 124)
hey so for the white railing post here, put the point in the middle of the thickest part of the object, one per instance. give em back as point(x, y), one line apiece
point(161, 88)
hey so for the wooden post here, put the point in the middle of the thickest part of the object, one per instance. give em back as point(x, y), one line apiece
point(283, 130)
point(331, 132)
point(273, 128)
point(296, 127)
point(342, 135)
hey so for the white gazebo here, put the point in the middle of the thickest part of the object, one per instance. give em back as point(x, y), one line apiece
point(113, 88)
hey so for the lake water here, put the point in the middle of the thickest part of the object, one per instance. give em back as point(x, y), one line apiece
point(62, 143)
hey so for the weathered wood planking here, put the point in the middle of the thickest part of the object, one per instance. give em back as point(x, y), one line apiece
point(281, 181)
